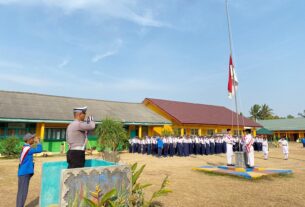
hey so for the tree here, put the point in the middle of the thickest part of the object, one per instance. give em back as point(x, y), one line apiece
point(261, 112)
point(265, 112)
point(255, 111)
point(111, 134)
point(302, 114)
point(290, 116)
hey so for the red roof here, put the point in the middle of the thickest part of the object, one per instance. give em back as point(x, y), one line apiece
point(191, 113)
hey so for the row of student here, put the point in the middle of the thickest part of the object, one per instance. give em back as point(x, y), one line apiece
point(181, 146)
point(184, 146)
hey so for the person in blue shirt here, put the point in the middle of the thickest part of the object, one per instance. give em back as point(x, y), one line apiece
point(303, 141)
point(26, 167)
point(160, 146)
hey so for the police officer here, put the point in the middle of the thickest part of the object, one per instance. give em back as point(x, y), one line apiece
point(77, 137)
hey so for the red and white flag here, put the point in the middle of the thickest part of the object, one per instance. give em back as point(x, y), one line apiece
point(233, 82)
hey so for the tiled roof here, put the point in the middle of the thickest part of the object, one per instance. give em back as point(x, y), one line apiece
point(192, 113)
point(284, 124)
point(19, 105)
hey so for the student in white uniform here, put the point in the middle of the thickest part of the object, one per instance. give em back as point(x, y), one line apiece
point(248, 148)
point(229, 142)
point(284, 143)
point(265, 148)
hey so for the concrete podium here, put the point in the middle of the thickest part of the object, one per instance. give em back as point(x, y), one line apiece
point(61, 186)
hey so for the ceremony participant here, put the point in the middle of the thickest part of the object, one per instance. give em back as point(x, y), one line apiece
point(248, 148)
point(224, 145)
point(160, 146)
point(130, 146)
point(197, 145)
point(303, 141)
point(165, 146)
point(134, 145)
point(202, 146)
point(148, 141)
point(171, 146)
point(265, 148)
point(144, 145)
point(212, 146)
point(229, 146)
point(207, 146)
point(284, 143)
point(180, 147)
point(77, 137)
point(26, 167)
point(192, 145)
point(186, 146)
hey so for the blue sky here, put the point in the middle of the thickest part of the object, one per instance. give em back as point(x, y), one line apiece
point(175, 49)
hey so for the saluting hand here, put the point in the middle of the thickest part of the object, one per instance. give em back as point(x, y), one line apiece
point(37, 140)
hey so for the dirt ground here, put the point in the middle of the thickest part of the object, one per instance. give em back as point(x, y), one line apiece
point(192, 188)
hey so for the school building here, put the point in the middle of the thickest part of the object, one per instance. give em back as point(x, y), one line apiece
point(292, 129)
point(48, 116)
point(199, 119)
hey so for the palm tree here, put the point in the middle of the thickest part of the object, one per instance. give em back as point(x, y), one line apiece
point(302, 114)
point(255, 112)
point(266, 112)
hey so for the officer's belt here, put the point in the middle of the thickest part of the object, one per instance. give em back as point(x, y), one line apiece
point(77, 148)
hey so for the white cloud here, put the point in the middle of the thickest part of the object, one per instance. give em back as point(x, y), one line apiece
point(116, 46)
point(64, 63)
point(123, 9)
point(99, 57)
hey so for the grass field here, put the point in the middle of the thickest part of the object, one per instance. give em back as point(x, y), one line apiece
point(192, 188)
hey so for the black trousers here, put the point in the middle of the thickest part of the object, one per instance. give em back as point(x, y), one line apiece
point(76, 158)
point(23, 187)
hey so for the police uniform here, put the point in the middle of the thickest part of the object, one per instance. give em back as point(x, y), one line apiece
point(77, 139)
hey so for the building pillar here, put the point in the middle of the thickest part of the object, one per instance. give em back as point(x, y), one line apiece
point(42, 127)
point(300, 136)
point(254, 132)
point(37, 129)
point(182, 132)
point(199, 132)
point(140, 131)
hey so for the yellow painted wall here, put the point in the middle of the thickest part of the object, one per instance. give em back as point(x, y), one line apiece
point(159, 111)
point(202, 129)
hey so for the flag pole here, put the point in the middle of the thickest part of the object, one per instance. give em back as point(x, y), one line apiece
point(234, 85)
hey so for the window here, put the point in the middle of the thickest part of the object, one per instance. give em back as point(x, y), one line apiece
point(55, 134)
point(194, 131)
point(235, 133)
point(177, 131)
point(210, 132)
point(2, 132)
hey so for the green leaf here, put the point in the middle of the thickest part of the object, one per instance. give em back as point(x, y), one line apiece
point(89, 202)
point(137, 174)
point(107, 196)
point(145, 185)
point(134, 167)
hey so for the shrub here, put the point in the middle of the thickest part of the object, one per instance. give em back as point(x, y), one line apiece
point(10, 147)
point(111, 134)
